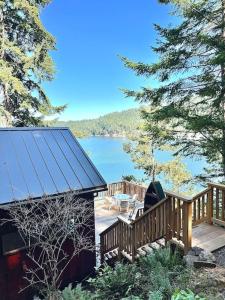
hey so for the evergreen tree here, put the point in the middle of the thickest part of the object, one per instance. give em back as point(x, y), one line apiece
point(189, 94)
point(24, 63)
point(142, 149)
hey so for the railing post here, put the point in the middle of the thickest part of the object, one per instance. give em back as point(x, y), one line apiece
point(168, 218)
point(210, 205)
point(101, 249)
point(120, 240)
point(133, 242)
point(187, 226)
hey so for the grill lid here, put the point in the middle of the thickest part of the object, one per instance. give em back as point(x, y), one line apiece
point(153, 195)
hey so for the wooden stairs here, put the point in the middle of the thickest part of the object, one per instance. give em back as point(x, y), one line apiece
point(171, 220)
point(142, 251)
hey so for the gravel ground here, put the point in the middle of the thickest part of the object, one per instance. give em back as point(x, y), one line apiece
point(220, 256)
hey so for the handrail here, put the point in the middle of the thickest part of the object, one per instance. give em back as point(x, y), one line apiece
point(134, 183)
point(109, 228)
point(181, 197)
point(149, 210)
point(124, 220)
point(216, 185)
point(201, 193)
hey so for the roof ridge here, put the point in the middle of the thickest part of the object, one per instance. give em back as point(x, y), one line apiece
point(31, 128)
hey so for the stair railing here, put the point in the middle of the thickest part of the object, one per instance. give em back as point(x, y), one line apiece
point(170, 218)
point(109, 239)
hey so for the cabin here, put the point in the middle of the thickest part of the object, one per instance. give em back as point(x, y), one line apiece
point(37, 162)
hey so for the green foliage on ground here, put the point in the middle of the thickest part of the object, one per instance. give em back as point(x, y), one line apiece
point(24, 63)
point(113, 124)
point(186, 295)
point(76, 294)
point(154, 277)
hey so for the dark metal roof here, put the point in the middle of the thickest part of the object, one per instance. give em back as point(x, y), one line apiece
point(35, 162)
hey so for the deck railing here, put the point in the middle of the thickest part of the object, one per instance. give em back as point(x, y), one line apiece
point(124, 187)
point(172, 218)
point(112, 189)
point(201, 207)
point(216, 210)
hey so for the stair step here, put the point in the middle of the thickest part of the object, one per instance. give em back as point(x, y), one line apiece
point(141, 251)
point(128, 256)
point(161, 242)
point(155, 246)
point(107, 256)
point(115, 252)
point(147, 249)
point(112, 254)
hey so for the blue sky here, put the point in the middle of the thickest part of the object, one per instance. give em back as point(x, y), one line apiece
point(90, 35)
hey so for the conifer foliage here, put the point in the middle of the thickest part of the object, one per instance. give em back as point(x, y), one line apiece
point(189, 80)
point(24, 63)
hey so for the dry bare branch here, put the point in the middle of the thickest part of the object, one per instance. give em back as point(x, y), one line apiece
point(46, 226)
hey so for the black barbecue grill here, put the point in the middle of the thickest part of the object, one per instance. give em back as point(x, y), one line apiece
point(153, 195)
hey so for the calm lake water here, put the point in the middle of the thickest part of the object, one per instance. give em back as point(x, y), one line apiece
point(112, 162)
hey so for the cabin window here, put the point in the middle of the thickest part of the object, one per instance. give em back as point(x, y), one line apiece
point(12, 242)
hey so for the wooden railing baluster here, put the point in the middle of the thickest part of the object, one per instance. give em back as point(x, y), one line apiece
point(223, 205)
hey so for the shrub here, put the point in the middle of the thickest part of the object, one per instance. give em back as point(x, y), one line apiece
point(159, 271)
point(156, 295)
point(76, 294)
point(186, 295)
point(116, 283)
point(165, 257)
point(153, 277)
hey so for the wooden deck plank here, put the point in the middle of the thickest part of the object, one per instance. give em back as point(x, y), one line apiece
point(208, 237)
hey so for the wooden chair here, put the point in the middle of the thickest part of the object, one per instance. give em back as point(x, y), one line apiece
point(135, 213)
point(108, 202)
point(132, 201)
point(124, 205)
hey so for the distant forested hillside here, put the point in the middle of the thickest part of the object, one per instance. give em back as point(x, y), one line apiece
point(113, 124)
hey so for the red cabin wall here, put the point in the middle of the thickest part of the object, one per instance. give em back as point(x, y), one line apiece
point(11, 269)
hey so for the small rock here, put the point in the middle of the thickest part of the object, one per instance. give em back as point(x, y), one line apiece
point(190, 259)
point(207, 256)
point(203, 264)
point(195, 251)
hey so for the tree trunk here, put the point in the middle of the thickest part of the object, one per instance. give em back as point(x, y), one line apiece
point(5, 117)
point(54, 296)
point(223, 90)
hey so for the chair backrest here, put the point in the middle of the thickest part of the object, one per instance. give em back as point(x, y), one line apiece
point(135, 196)
point(108, 199)
point(132, 214)
point(124, 203)
point(132, 203)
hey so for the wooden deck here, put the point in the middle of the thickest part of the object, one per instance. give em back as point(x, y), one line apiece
point(208, 237)
point(182, 219)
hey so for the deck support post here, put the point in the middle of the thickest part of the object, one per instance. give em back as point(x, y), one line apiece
point(210, 205)
point(187, 229)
